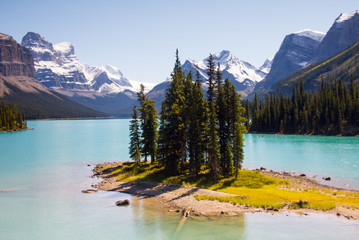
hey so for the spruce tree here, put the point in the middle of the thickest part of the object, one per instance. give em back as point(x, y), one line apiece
point(175, 126)
point(134, 137)
point(149, 123)
point(211, 79)
point(197, 128)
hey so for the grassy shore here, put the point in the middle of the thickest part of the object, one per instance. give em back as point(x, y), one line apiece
point(253, 188)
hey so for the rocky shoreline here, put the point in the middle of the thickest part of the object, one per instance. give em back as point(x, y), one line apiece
point(177, 198)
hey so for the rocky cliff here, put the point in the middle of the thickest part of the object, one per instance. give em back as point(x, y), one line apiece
point(343, 33)
point(15, 60)
point(18, 85)
point(296, 50)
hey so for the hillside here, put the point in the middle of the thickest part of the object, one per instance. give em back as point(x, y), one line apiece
point(342, 66)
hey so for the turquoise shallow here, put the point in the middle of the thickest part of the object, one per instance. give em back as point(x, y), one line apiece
point(43, 171)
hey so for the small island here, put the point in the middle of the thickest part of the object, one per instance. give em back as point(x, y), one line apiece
point(197, 157)
point(11, 119)
point(258, 190)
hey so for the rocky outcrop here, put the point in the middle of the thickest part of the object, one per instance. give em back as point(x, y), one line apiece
point(15, 60)
point(343, 33)
point(296, 50)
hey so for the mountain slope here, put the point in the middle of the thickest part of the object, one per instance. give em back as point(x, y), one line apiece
point(103, 88)
point(296, 50)
point(343, 33)
point(343, 65)
point(18, 85)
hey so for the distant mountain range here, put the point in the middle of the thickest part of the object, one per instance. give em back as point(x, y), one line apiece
point(102, 88)
point(242, 75)
point(106, 89)
point(19, 85)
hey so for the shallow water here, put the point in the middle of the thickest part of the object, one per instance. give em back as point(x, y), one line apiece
point(44, 170)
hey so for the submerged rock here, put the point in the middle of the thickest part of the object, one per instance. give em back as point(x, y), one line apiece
point(89, 191)
point(125, 202)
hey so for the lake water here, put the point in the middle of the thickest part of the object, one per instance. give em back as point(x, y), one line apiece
point(43, 171)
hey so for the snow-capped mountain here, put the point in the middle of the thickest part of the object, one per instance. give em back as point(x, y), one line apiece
point(267, 65)
point(343, 33)
point(58, 68)
point(243, 75)
point(296, 50)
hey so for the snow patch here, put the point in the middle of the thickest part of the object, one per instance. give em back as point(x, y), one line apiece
point(64, 47)
point(346, 16)
point(315, 35)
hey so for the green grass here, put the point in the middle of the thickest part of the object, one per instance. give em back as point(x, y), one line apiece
point(254, 188)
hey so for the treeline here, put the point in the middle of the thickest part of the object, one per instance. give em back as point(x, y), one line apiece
point(331, 111)
point(10, 118)
point(193, 131)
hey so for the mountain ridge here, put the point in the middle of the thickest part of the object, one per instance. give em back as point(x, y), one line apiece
point(18, 85)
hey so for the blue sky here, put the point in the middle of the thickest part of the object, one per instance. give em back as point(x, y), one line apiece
point(140, 37)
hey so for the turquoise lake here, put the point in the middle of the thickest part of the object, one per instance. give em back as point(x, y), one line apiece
point(43, 171)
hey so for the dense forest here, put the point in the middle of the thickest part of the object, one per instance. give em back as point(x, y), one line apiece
point(333, 110)
point(10, 118)
point(193, 131)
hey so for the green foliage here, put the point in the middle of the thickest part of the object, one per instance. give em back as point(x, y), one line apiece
point(251, 187)
point(10, 118)
point(134, 148)
point(194, 132)
point(332, 110)
point(149, 124)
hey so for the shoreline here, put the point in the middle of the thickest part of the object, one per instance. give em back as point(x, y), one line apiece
point(16, 130)
point(355, 134)
point(178, 198)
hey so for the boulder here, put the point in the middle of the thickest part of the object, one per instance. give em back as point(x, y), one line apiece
point(89, 191)
point(123, 202)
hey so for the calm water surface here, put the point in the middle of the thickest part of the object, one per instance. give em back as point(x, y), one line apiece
point(42, 173)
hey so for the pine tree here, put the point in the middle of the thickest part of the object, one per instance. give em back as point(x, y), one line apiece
point(213, 146)
point(175, 126)
point(197, 128)
point(149, 123)
point(134, 137)
point(211, 79)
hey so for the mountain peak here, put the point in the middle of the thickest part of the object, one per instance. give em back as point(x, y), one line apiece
point(223, 56)
point(5, 36)
point(35, 40)
point(313, 34)
point(346, 16)
point(266, 65)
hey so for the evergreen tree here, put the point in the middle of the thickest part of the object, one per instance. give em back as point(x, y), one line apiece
point(149, 124)
point(211, 79)
point(332, 110)
point(135, 137)
point(175, 125)
point(197, 128)
point(213, 146)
